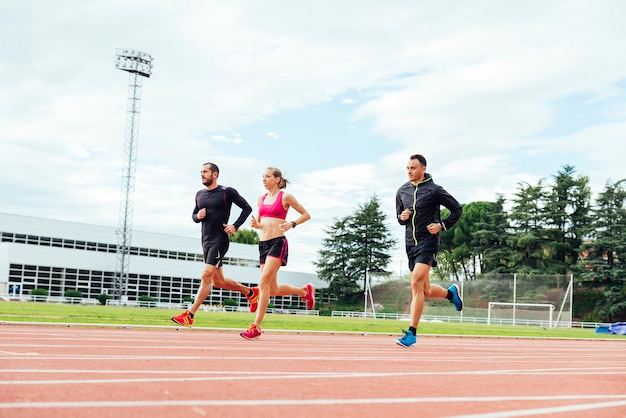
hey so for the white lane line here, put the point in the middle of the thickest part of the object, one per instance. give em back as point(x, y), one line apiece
point(571, 371)
point(15, 353)
point(46, 351)
point(547, 410)
point(378, 358)
point(617, 400)
point(228, 376)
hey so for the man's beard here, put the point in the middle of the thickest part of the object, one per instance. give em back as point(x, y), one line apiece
point(208, 182)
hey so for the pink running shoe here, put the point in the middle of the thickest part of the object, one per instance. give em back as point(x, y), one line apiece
point(251, 333)
point(310, 296)
point(184, 319)
point(254, 299)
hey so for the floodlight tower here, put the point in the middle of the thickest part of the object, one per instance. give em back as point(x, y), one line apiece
point(138, 64)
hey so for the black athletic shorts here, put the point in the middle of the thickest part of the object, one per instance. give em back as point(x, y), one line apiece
point(214, 252)
point(423, 254)
point(276, 248)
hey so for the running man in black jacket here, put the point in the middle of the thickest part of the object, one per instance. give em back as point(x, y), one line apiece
point(418, 204)
point(213, 204)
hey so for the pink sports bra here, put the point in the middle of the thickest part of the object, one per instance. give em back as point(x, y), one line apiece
point(273, 210)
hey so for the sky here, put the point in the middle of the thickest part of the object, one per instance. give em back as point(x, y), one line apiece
point(337, 94)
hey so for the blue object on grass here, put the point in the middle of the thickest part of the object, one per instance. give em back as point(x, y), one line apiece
point(617, 328)
point(602, 329)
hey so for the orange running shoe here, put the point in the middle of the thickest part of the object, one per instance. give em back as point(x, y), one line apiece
point(254, 299)
point(310, 296)
point(184, 319)
point(251, 333)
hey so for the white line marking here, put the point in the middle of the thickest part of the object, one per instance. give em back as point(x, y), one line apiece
point(542, 411)
point(251, 375)
point(289, 402)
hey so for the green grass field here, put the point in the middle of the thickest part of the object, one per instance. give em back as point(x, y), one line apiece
point(111, 315)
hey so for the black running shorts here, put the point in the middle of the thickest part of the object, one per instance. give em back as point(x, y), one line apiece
point(276, 248)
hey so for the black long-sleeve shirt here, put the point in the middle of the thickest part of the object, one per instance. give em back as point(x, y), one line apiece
point(424, 199)
point(218, 203)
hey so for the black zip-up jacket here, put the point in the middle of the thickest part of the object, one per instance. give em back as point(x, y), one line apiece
point(424, 199)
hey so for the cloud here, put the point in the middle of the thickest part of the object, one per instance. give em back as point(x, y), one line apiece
point(492, 93)
point(234, 139)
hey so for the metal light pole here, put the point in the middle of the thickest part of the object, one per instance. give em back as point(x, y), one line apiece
point(138, 64)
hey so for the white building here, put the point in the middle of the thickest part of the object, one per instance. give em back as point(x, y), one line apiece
point(58, 256)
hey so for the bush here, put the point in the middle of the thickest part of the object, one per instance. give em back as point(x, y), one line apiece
point(230, 302)
point(70, 293)
point(39, 294)
point(102, 298)
point(149, 300)
point(73, 295)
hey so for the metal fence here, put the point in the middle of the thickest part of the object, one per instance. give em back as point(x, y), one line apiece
point(544, 300)
point(519, 299)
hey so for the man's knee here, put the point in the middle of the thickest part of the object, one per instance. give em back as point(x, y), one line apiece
point(419, 277)
point(208, 274)
point(417, 285)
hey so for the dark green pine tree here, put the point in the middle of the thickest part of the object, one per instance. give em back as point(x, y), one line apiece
point(527, 222)
point(355, 244)
point(374, 243)
point(334, 263)
point(604, 254)
point(567, 217)
point(603, 258)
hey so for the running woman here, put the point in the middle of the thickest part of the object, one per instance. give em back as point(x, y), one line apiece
point(273, 248)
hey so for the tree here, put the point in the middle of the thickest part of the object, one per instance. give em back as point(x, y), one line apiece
point(612, 306)
point(567, 217)
point(245, 236)
point(374, 243)
point(527, 223)
point(491, 238)
point(356, 244)
point(456, 255)
point(334, 263)
point(604, 256)
point(477, 243)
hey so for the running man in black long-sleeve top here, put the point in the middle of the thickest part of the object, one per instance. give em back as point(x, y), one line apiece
point(213, 205)
point(418, 203)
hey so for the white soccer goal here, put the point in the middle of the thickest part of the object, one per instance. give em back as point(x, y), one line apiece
point(515, 305)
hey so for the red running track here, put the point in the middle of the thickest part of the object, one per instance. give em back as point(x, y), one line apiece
point(72, 371)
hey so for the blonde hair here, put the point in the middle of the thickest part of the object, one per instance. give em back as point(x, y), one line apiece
point(277, 173)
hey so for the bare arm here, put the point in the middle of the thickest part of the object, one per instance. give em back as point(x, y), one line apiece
point(290, 201)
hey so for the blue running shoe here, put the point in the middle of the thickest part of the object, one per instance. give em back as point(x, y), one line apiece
point(456, 297)
point(408, 340)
